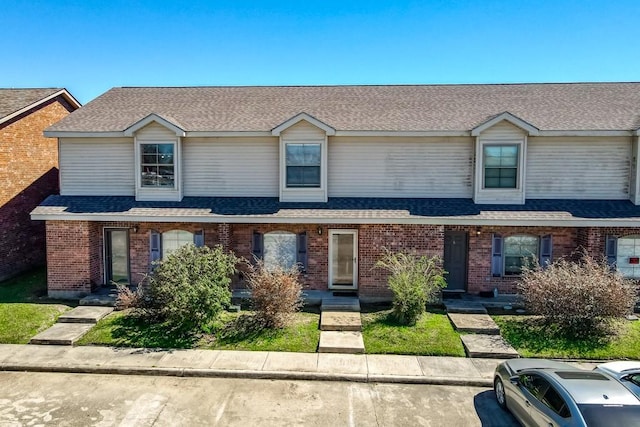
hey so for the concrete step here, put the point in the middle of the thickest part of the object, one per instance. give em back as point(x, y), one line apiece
point(488, 347)
point(462, 306)
point(340, 321)
point(103, 300)
point(340, 304)
point(62, 334)
point(341, 342)
point(474, 323)
point(85, 314)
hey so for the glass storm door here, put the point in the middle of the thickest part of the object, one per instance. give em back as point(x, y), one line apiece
point(116, 250)
point(343, 260)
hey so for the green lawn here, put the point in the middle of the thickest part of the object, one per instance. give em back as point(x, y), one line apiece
point(23, 309)
point(432, 335)
point(232, 331)
point(533, 339)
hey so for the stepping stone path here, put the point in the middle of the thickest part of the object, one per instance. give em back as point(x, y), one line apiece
point(483, 339)
point(340, 326)
point(71, 326)
point(474, 323)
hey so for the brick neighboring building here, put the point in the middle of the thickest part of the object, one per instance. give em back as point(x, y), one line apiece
point(28, 171)
point(489, 177)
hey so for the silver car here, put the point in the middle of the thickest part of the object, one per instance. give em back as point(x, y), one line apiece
point(546, 393)
point(627, 372)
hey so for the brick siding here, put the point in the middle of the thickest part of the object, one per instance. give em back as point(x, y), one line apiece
point(28, 173)
point(76, 265)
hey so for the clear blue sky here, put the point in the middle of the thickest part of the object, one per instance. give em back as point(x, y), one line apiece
point(90, 46)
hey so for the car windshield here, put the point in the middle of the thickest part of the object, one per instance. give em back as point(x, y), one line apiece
point(611, 415)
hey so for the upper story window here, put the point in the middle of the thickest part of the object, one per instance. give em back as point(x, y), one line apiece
point(500, 166)
point(519, 252)
point(303, 162)
point(157, 165)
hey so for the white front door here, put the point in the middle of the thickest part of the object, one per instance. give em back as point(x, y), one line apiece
point(343, 259)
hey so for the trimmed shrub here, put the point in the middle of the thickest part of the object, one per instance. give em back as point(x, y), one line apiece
point(276, 293)
point(414, 280)
point(190, 287)
point(580, 298)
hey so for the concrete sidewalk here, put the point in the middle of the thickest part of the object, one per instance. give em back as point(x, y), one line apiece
point(251, 364)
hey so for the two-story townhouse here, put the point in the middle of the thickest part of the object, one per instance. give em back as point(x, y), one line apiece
point(490, 177)
point(28, 171)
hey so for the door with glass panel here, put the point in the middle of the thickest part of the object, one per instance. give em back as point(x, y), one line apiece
point(116, 256)
point(343, 259)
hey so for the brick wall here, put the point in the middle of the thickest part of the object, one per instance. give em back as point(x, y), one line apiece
point(76, 264)
point(28, 173)
point(479, 277)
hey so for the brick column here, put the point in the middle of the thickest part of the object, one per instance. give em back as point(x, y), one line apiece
point(224, 236)
point(592, 240)
point(73, 261)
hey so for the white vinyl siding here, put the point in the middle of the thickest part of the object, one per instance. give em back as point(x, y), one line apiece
point(400, 167)
point(155, 132)
point(230, 167)
point(501, 134)
point(578, 168)
point(303, 132)
point(97, 167)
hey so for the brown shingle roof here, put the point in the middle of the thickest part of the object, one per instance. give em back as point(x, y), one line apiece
point(562, 106)
point(12, 100)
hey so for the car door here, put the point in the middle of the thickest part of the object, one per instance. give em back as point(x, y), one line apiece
point(547, 408)
point(520, 402)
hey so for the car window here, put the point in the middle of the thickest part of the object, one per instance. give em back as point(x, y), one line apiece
point(535, 384)
point(635, 378)
point(557, 404)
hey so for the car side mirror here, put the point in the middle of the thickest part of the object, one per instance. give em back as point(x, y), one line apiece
point(515, 380)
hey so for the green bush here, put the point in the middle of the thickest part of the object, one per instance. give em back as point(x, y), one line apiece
point(579, 298)
point(276, 293)
point(414, 280)
point(190, 287)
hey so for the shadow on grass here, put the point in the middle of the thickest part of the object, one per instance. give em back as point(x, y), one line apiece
point(539, 336)
point(29, 288)
point(245, 328)
point(136, 331)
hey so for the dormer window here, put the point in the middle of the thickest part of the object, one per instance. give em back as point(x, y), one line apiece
point(303, 165)
point(500, 166)
point(157, 165)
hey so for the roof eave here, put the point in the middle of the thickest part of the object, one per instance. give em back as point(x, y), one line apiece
point(62, 92)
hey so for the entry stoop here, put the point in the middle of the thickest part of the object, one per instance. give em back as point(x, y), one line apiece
point(340, 304)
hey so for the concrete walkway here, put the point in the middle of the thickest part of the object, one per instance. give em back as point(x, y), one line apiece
point(249, 364)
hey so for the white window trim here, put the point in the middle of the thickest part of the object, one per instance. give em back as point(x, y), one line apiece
point(304, 194)
point(159, 194)
point(500, 195)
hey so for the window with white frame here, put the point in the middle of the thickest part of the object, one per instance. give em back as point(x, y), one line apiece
point(280, 249)
point(175, 239)
point(500, 163)
point(519, 252)
point(157, 165)
point(628, 256)
point(303, 163)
